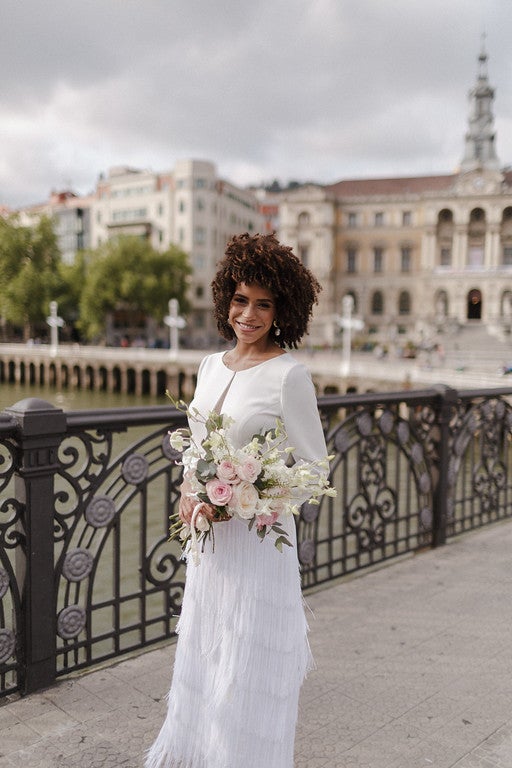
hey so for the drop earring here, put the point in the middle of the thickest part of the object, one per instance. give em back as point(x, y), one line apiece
point(277, 330)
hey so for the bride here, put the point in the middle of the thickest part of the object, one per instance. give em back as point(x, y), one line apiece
point(242, 652)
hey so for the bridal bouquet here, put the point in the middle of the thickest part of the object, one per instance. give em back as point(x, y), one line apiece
point(255, 483)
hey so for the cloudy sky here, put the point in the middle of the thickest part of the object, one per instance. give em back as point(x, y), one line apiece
point(290, 89)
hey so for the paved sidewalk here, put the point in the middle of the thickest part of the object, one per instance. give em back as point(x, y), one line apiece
point(414, 671)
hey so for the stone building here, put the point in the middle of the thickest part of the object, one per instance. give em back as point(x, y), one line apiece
point(419, 255)
point(71, 214)
point(189, 206)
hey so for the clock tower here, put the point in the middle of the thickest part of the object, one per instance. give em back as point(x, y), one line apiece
point(480, 150)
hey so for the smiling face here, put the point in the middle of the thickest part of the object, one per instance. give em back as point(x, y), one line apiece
point(251, 314)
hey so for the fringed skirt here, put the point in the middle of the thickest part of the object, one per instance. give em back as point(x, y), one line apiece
point(241, 657)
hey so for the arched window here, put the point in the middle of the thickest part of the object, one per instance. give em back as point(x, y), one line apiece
point(476, 237)
point(444, 235)
point(377, 303)
point(404, 303)
point(477, 215)
point(304, 219)
point(506, 237)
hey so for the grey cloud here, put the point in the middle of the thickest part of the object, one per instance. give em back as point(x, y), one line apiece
point(304, 89)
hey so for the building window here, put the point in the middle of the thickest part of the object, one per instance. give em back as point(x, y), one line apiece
point(352, 220)
point(377, 303)
point(507, 256)
point(475, 256)
point(199, 261)
point(304, 219)
point(199, 291)
point(446, 257)
point(129, 215)
point(199, 235)
point(404, 303)
point(181, 206)
point(379, 219)
point(406, 218)
point(351, 260)
point(200, 204)
point(405, 256)
point(200, 183)
point(378, 259)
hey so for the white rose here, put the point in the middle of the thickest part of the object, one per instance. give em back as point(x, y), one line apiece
point(245, 500)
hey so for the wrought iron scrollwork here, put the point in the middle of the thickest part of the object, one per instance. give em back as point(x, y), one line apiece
point(380, 460)
point(481, 461)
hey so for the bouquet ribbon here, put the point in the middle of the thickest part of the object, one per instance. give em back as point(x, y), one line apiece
point(194, 541)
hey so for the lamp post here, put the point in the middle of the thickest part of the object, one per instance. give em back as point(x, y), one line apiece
point(348, 324)
point(175, 323)
point(55, 322)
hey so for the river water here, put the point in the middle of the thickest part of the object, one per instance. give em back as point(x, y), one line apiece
point(71, 400)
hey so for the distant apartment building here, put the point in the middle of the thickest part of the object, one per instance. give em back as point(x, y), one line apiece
point(71, 215)
point(190, 207)
point(418, 255)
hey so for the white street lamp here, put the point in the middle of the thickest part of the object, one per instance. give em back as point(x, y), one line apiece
point(175, 323)
point(55, 322)
point(348, 324)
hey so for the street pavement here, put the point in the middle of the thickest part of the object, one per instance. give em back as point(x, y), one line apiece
point(414, 670)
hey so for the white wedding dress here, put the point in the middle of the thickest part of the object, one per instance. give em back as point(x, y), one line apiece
point(242, 651)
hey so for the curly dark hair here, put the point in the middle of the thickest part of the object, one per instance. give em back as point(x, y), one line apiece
point(262, 260)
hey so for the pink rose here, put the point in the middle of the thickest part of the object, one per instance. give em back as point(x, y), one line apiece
point(219, 492)
point(249, 469)
point(245, 498)
point(226, 471)
point(264, 519)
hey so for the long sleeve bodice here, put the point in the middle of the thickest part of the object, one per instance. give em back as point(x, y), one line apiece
point(277, 388)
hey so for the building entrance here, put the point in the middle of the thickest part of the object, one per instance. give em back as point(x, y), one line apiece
point(474, 305)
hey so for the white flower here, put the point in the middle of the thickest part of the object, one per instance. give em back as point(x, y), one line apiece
point(202, 523)
point(245, 500)
point(178, 440)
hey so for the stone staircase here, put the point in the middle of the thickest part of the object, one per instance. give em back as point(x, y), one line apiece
point(473, 347)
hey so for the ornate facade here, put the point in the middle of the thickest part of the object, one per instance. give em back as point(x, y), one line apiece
point(419, 254)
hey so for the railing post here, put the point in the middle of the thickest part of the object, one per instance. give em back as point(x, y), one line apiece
point(41, 428)
point(447, 397)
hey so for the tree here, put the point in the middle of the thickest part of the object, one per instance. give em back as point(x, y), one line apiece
point(129, 274)
point(29, 272)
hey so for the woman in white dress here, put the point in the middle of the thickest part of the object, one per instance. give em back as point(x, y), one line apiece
point(243, 652)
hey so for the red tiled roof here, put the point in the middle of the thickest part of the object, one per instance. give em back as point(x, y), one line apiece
point(398, 186)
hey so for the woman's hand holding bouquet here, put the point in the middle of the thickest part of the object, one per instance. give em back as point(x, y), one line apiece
point(255, 483)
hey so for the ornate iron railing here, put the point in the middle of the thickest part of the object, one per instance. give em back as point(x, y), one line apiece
point(86, 568)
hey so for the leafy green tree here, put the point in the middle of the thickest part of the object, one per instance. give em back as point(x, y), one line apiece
point(29, 272)
point(71, 283)
point(129, 274)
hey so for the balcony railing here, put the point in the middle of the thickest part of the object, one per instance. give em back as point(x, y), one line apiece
point(86, 569)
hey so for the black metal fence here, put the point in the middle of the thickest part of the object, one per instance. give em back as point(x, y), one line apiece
point(86, 568)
